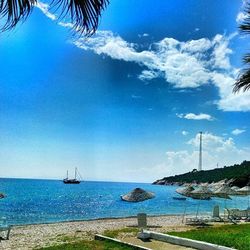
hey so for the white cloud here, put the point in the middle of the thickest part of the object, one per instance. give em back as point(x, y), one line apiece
point(240, 17)
point(229, 101)
point(143, 35)
point(136, 96)
point(147, 75)
point(44, 7)
point(192, 116)
point(189, 64)
point(212, 142)
point(184, 133)
point(221, 52)
point(238, 131)
point(66, 25)
point(216, 149)
point(202, 44)
point(179, 63)
point(183, 64)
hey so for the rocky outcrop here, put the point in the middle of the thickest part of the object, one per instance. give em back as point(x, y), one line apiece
point(137, 195)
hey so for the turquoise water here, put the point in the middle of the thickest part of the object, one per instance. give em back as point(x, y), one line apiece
point(44, 201)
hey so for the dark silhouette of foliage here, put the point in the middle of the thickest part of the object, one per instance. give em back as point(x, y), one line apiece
point(243, 81)
point(240, 173)
point(84, 14)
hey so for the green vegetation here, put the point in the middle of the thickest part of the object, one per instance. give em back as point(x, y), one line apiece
point(116, 233)
point(235, 236)
point(240, 173)
point(89, 245)
point(77, 242)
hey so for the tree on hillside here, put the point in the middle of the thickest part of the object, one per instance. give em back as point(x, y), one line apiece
point(84, 14)
point(243, 82)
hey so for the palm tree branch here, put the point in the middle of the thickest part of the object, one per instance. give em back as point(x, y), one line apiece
point(84, 14)
point(243, 81)
point(14, 10)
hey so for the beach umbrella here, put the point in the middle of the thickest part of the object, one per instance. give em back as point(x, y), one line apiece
point(201, 193)
point(206, 184)
point(218, 184)
point(244, 191)
point(235, 188)
point(137, 195)
point(224, 192)
point(210, 185)
point(185, 191)
point(186, 185)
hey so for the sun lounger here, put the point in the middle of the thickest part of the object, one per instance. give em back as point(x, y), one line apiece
point(198, 220)
point(236, 214)
point(4, 227)
point(203, 220)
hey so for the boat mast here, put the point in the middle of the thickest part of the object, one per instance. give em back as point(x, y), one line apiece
point(67, 174)
point(200, 154)
point(75, 172)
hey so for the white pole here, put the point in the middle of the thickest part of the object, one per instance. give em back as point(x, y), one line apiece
point(200, 154)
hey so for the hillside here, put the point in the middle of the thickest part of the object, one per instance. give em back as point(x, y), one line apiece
point(238, 174)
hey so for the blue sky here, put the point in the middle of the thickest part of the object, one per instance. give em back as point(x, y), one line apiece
point(127, 103)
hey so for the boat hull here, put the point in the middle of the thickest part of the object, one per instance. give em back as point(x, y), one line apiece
point(71, 182)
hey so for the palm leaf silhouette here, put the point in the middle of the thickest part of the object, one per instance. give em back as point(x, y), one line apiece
point(84, 14)
point(243, 81)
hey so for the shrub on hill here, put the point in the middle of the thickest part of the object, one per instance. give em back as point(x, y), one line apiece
point(238, 173)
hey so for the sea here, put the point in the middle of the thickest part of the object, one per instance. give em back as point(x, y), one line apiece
point(47, 201)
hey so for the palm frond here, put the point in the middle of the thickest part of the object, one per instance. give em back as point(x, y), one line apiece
point(243, 81)
point(245, 25)
point(13, 11)
point(84, 14)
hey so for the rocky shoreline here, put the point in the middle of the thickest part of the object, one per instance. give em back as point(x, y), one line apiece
point(239, 182)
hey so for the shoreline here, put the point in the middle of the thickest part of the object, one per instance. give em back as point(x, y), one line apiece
point(28, 237)
point(105, 218)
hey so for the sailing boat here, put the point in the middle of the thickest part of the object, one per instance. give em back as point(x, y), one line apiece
point(72, 181)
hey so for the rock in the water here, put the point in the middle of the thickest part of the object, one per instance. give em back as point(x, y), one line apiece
point(137, 195)
point(2, 196)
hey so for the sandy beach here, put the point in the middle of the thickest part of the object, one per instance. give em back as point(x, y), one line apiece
point(41, 235)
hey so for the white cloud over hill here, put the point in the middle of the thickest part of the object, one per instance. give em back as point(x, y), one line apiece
point(216, 149)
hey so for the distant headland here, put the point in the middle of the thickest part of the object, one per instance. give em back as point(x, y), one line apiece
point(236, 175)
